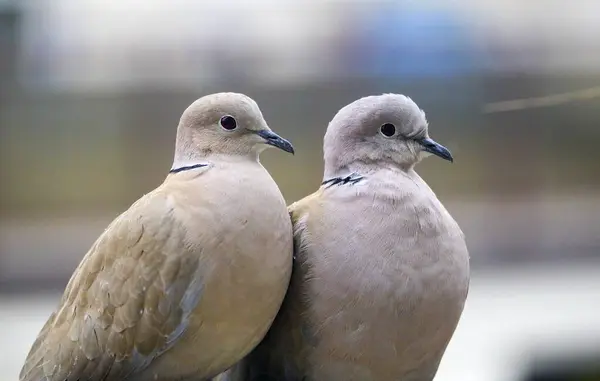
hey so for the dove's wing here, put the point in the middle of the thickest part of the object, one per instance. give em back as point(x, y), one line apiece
point(129, 300)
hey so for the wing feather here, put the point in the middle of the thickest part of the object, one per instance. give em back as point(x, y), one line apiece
point(127, 303)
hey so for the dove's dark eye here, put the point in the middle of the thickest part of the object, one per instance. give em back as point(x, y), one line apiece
point(388, 130)
point(228, 122)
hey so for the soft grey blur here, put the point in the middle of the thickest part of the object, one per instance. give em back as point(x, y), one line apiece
point(91, 92)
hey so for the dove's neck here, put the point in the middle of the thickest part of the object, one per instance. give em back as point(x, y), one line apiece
point(193, 149)
point(204, 160)
point(186, 161)
point(187, 155)
point(365, 169)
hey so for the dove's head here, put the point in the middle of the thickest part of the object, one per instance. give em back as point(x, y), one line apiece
point(388, 129)
point(224, 124)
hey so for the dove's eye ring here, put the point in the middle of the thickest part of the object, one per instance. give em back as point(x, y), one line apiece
point(388, 130)
point(228, 123)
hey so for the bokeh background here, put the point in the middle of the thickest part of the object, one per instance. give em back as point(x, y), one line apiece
point(91, 92)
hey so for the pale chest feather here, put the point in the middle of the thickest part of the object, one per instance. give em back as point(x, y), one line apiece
point(244, 212)
point(246, 252)
point(390, 282)
point(245, 220)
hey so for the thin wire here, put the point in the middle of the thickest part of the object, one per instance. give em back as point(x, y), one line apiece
point(545, 101)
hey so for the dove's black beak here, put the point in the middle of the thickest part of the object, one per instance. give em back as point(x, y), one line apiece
point(429, 145)
point(275, 140)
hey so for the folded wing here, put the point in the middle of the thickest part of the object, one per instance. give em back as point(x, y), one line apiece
point(128, 302)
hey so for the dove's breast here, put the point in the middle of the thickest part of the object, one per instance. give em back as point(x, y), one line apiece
point(243, 234)
point(386, 289)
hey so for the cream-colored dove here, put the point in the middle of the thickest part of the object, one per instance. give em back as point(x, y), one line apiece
point(381, 269)
point(189, 279)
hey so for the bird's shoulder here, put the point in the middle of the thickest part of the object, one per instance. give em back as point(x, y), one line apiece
point(303, 213)
point(301, 208)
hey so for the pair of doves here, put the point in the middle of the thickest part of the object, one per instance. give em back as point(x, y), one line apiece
point(209, 274)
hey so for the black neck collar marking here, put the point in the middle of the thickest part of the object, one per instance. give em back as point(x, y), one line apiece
point(350, 179)
point(187, 168)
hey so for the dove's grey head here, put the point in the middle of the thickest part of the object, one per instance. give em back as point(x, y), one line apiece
point(388, 129)
point(224, 124)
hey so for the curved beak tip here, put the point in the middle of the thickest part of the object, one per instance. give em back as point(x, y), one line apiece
point(289, 149)
point(275, 140)
point(434, 148)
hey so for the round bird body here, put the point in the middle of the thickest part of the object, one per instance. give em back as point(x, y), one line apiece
point(188, 280)
point(382, 269)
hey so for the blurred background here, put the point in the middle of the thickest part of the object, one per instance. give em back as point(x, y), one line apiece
point(91, 92)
